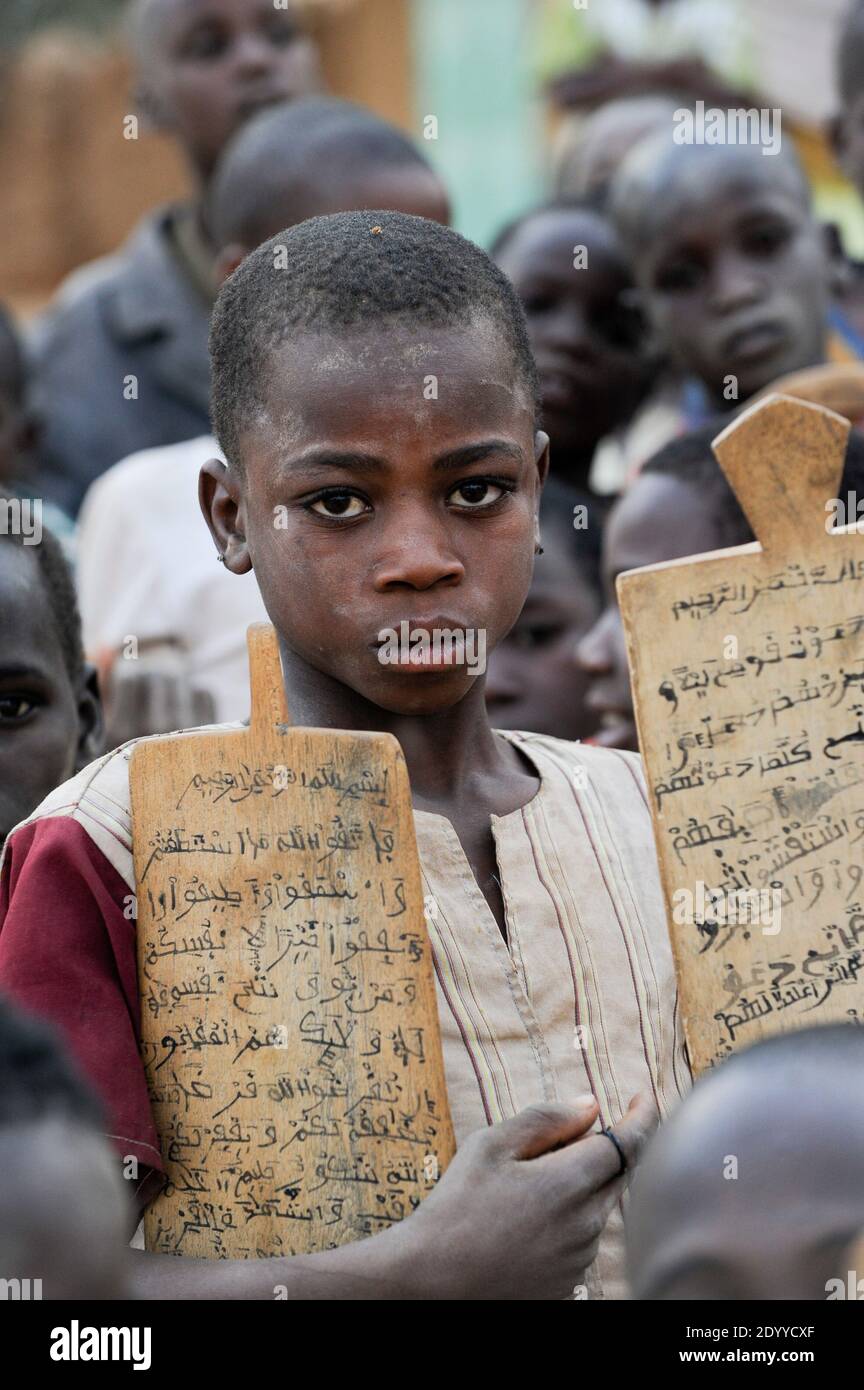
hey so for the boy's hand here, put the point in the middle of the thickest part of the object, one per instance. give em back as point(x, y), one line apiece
point(520, 1211)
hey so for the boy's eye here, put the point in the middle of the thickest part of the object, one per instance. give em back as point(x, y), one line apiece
point(530, 637)
point(338, 504)
point(537, 303)
point(679, 276)
point(765, 241)
point(15, 708)
point(206, 42)
point(282, 32)
point(477, 493)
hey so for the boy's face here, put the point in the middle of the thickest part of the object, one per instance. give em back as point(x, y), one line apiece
point(211, 64)
point(585, 333)
point(366, 502)
point(64, 1213)
point(533, 682)
point(736, 273)
point(47, 728)
point(777, 1225)
point(659, 518)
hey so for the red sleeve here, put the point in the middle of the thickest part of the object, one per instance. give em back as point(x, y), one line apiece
point(67, 953)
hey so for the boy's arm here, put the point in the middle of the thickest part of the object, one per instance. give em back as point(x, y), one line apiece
point(68, 955)
point(516, 1216)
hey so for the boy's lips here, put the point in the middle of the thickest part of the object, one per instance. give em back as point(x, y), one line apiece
point(420, 657)
point(755, 341)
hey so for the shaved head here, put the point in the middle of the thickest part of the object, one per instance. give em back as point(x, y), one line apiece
point(753, 1189)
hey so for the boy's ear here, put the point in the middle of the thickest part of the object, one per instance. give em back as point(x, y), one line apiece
point(228, 260)
point(839, 270)
point(90, 721)
point(541, 455)
point(219, 499)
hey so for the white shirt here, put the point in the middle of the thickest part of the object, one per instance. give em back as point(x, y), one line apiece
point(147, 569)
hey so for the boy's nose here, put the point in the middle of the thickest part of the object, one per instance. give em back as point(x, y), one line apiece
point(736, 282)
point(594, 652)
point(417, 558)
point(254, 54)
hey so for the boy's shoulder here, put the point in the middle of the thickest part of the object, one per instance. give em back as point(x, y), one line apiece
point(98, 799)
point(605, 766)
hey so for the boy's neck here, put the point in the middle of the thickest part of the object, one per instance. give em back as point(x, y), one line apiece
point(446, 753)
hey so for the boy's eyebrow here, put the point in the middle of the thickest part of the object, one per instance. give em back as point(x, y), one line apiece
point(475, 453)
point(17, 670)
point(350, 461)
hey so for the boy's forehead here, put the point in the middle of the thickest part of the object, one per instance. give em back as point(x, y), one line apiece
point(560, 230)
point(712, 180)
point(387, 380)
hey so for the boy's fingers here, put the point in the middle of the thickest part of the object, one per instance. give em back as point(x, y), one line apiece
point(539, 1128)
point(597, 1158)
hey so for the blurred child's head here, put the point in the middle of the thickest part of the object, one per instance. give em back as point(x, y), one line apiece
point(848, 126)
point(310, 158)
point(734, 269)
point(50, 720)
point(568, 267)
point(533, 682)
point(64, 1214)
point(375, 396)
point(592, 149)
point(16, 424)
point(752, 1190)
point(680, 504)
point(206, 66)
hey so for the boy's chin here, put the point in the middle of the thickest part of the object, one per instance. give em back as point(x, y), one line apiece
point(419, 696)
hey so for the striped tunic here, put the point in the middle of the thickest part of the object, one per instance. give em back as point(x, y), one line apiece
point(580, 998)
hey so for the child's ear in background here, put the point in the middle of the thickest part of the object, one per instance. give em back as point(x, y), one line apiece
point(90, 721)
point(840, 273)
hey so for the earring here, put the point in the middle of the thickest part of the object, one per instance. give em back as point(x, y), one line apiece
point(220, 559)
point(538, 549)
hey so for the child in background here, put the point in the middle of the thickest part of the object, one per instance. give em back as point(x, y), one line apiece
point(532, 681)
point(567, 265)
point(50, 717)
point(138, 321)
point(401, 506)
point(64, 1213)
point(20, 434)
point(789, 1111)
point(735, 273)
point(847, 134)
point(309, 157)
point(680, 504)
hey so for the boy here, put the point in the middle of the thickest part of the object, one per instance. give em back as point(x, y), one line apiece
point(734, 270)
point(139, 320)
point(680, 504)
point(396, 503)
point(532, 680)
point(63, 1208)
point(295, 161)
point(788, 1113)
point(568, 267)
point(50, 718)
